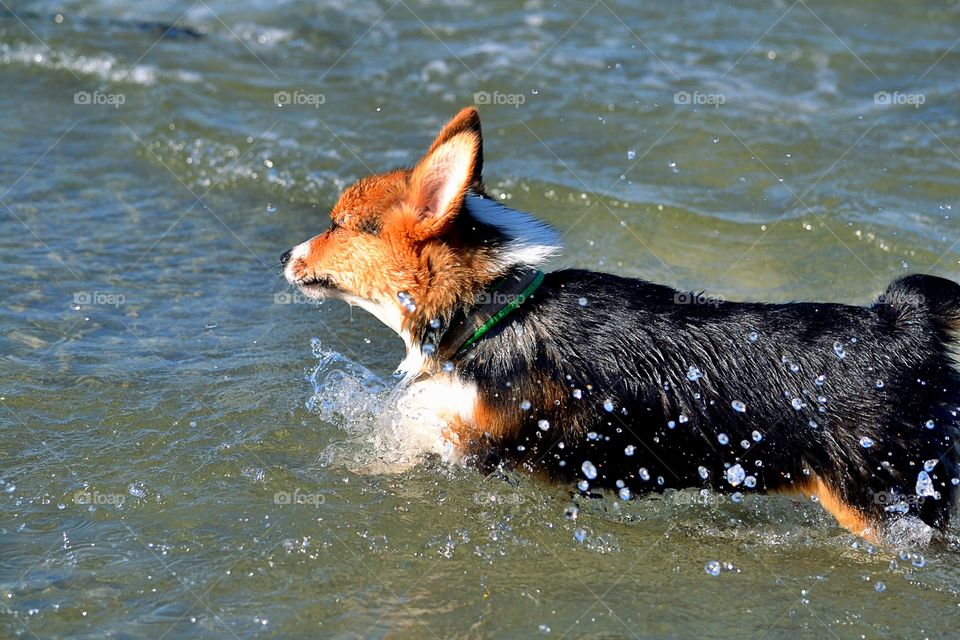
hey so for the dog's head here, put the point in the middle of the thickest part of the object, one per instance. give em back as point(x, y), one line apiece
point(410, 245)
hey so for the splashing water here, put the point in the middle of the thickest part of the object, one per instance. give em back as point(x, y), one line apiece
point(390, 425)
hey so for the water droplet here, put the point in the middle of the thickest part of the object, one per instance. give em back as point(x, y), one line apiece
point(580, 535)
point(406, 301)
point(738, 406)
point(866, 442)
point(583, 485)
point(625, 493)
point(435, 323)
point(589, 470)
point(753, 336)
point(929, 424)
point(737, 497)
point(820, 380)
point(879, 386)
point(722, 438)
point(693, 374)
point(577, 394)
point(682, 419)
point(582, 302)
point(929, 465)
point(879, 587)
point(757, 436)
point(543, 628)
point(644, 474)
point(750, 482)
point(704, 472)
point(925, 486)
point(812, 424)
point(736, 475)
point(543, 424)
point(629, 450)
point(448, 367)
point(712, 568)
point(671, 424)
point(631, 155)
point(428, 349)
point(525, 405)
point(797, 404)
point(838, 350)
point(608, 405)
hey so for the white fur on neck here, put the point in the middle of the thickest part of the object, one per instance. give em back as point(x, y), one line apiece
point(532, 242)
point(390, 315)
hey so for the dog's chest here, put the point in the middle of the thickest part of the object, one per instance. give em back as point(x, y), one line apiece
point(428, 409)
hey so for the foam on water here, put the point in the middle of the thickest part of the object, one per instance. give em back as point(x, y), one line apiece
point(103, 66)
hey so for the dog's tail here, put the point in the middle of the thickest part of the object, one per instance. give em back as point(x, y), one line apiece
point(919, 302)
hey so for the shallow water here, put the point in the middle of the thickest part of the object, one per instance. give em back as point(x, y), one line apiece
point(177, 462)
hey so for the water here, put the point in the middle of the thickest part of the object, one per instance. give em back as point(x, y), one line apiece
point(169, 468)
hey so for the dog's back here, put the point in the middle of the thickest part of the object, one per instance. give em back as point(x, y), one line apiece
point(854, 405)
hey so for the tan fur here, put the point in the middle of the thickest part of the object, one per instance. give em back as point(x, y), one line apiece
point(847, 516)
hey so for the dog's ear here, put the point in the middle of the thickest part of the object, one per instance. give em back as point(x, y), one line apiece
point(466, 121)
point(440, 181)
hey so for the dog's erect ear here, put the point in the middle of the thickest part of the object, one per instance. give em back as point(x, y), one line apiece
point(440, 181)
point(466, 121)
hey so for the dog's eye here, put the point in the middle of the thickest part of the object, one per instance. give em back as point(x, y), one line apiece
point(370, 225)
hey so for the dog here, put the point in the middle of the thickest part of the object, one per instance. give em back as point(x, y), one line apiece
point(613, 382)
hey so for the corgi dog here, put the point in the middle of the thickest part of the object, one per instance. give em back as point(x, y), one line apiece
point(615, 382)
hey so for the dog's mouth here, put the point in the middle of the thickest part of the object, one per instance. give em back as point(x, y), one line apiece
point(317, 282)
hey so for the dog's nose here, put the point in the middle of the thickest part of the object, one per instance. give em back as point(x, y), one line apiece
point(285, 258)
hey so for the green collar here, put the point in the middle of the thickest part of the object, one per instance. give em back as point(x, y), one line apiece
point(491, 307)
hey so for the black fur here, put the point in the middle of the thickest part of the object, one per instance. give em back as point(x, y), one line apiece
point(886, 372)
